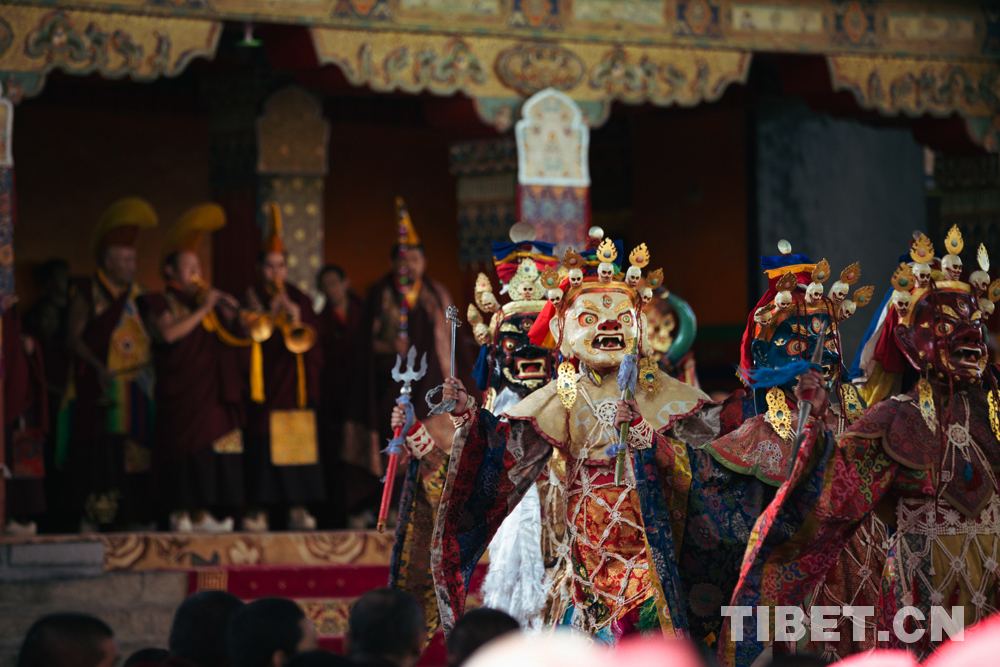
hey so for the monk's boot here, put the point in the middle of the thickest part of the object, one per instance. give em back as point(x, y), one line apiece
point(299, 518)
point(203, 522)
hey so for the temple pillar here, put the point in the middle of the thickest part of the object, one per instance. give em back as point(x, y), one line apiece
point(553, 180)
point(486, 191)
point(292, 140)
point(234, 102)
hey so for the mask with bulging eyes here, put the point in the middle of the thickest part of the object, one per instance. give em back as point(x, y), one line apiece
point(945, 339)
point(599, 328)
point(517, 363)
point(795, 339)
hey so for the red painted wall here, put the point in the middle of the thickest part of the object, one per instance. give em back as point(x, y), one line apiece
point(689, 207)
point(70, 164)
point(369, 167)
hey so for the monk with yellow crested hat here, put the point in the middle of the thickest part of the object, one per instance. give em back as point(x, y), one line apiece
point(198, 445)
point(112, 376)
point(282, 449)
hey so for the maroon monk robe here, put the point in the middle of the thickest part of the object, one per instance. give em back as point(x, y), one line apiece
point(339, 338)
point(25, 403)
point(347, 486)
point(97, 457)
point(268, 484)
point(198, 402)
point(46, 323)
point(374, 392)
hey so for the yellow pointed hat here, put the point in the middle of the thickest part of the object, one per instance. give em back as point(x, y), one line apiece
point(189, 229)
point(272, 239)
point(403, 216)
point(120, 224)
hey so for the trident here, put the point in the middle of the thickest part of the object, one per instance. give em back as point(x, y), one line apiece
point(407, 377)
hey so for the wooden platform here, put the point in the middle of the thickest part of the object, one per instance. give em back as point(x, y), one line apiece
point(177, 551)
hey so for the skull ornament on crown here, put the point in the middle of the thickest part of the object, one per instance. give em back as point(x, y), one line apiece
point(941, 328)
point(508, 359)
point(597, 316)
point(786, 325)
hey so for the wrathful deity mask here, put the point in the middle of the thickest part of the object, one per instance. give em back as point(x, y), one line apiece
point(941, 330)
point(794, 338)
point(599, 327)
point(523, 366)
point(945, 338)
point(794, 312)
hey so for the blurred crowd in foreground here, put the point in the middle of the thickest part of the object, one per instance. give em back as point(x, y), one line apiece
point(386, 629)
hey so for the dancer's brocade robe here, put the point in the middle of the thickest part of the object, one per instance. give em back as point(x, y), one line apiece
point(946, 544)
point(410, 565)
point(732, 480)
point(620, 549)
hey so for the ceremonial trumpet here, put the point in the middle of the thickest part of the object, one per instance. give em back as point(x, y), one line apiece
point(259, 325)
point(299, 337)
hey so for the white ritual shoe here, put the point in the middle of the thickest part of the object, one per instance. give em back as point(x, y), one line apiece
point(21, 529)
point(299, 518)
point(255, 523)
point(209, 524)
point(180, 522)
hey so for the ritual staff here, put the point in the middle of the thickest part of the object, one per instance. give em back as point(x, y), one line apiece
point(198, 445)
point(925, 460)
point(282, 453)
point(510, 367)
point(340, 321)
point(373, 391)
point(735, 477)
point(623, 520)
point(107, 423)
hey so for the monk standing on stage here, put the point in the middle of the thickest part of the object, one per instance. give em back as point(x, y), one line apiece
point(381, 337)
point(198, 446)
point(106, 428)
point(340, 319)
point(282, 456)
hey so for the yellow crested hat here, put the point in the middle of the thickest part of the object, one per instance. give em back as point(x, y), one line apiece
point(120, 224)
point(189, 229)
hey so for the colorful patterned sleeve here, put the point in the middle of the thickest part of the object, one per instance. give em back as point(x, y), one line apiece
point(410, 568)
point(835, 484)
point(492, 465)
point(721, 510)
point(663, 480)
